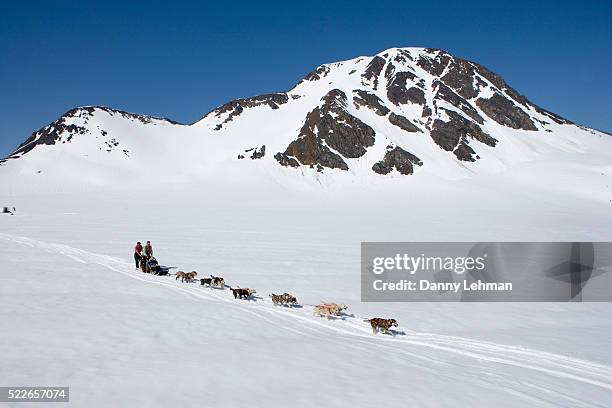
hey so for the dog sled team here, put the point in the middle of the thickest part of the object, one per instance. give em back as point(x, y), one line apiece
point(145, 261)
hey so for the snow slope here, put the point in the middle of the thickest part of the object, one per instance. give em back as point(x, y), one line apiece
point(75, 312)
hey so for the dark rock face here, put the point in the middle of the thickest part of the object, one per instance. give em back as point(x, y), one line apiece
point(310, 151)
point(257, 153)
point(389, 71)
point(446, 94)
point(317, 74)
point(398, 159)
point(492, 77)
point(453, 136)
point(416, 95)
point(555, 118)
point(329, 126)
point(237, 106)
point(363, 98)
point(434, 64)
point(505, 112)
point(460, 77)
point(51, 133)
point(373, 70)
point(403, 56)
point(345, 133)
point(272, 100)
point(403, 123)
point(464, 77)
point(500, 84)
point(285, 160)
point(398, 93)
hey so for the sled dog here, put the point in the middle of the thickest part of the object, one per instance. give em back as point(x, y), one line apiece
point(186, 276)
point(217, 281)
point(242, 293)
point(329, 309)
point(285, 299)
point(289, 299)
point(277, 299)
point(381, 324)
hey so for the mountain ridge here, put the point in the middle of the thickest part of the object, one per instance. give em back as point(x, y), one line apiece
point(402, 111)
point(313, 75)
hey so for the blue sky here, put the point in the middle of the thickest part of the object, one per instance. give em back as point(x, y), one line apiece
point(182, 59)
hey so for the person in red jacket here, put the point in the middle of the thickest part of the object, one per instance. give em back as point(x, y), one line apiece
point(138, 254)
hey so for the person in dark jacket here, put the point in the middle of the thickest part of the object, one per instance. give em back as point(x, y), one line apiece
point(148, 250)
point(138, 254)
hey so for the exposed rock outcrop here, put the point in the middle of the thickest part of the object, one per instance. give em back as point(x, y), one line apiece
point(446, 94)
point(460, 77)
point(434, 61)
point(454, 135)
point(310, 151)
point(372, 71)
point(399, 93)
point(63, 131)
point(317, 74)
point(505, 112)
point(403, 123)
point(363, 98)
point(50, 134)
point(327, 127)
point(398, 159)
point(237, 106)
point(256, 153)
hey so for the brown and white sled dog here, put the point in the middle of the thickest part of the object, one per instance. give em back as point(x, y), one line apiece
point(290, 300)
point(242, 293)
point(381, 324)
point(218, 281)
point(329, 309)
point(285, 299)
point(186, 276)
point(277, 299)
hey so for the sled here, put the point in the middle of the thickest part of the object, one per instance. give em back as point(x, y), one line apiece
point(162, 270)
point(153, 267)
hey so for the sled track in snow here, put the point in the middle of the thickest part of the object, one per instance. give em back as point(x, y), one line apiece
point(556, 365)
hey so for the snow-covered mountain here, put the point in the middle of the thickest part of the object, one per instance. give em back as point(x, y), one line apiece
point(405, 111)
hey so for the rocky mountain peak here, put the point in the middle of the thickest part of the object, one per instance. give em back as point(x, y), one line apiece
point(394, 113)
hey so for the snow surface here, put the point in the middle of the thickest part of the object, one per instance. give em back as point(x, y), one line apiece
point(73, 311)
